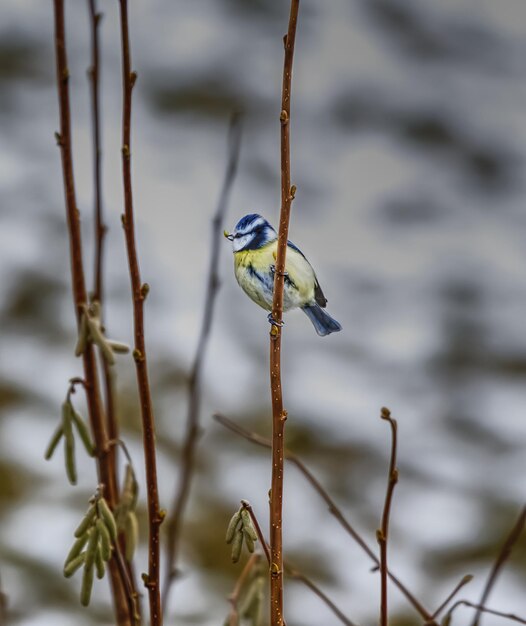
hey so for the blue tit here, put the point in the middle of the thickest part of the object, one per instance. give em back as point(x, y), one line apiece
point(255, 243)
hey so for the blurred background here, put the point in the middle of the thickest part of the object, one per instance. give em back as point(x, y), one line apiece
point(408, 148)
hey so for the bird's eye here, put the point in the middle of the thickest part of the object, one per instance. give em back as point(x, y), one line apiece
point(237, 236)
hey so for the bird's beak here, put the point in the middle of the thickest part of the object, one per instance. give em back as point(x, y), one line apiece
point(230, 237)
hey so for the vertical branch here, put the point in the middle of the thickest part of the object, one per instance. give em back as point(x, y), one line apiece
point(194, 387)
point(279, 415)
point(139, 293)
point(108, 375)
point(331, 506)
point(3, 607)
point(100, 228)
point(94, 76)
point(294, 573)
point(502, 557)
point(382, 534)
point(95, 410)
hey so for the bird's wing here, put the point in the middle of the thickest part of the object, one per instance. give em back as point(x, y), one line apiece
point(318, 293)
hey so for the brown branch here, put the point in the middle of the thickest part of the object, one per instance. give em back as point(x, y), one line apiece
point(108, 375)
point(331, 505)
point(175, 520)
point(463, 582)
point(132, 596)
point(233, 598)
point(139, 292)
point(279, 415)
point(246, 504)
point(382, 534)
point(502, 557)
point(3, 607)
point(95, 410)
point(292, 571)
point(100, 227)
point(94, 76)
point(481, 609)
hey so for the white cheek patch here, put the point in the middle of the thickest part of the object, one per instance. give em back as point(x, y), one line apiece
point(240, 242)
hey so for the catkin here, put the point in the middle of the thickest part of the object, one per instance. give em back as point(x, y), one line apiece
point(131, 530)
point(52, 446)
point(70, 567)
point(105, 540)
point(83, 432)
point(232, 526)
point(237, 544)
point(86, 522)
point(107, 517)
point(87, 585)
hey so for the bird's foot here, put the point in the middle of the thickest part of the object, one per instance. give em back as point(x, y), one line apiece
point(274, 322)
point(273, 271)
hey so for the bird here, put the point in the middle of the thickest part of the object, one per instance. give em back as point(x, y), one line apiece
point(254, 244)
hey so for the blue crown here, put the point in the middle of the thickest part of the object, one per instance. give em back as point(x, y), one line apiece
point(249, 223)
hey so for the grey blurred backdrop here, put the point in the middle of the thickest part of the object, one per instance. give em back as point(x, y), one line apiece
point(408, 149)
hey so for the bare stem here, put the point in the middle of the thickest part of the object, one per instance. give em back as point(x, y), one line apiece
point(94, 76)
point(293, 572)
point(279, 415)
point(382, 534)
point(502, 557)
point(331, 505)
point(463, 582)
point(3, 607)
point(95, 409)
point(175, 520)
point(139, 292)
point(100, 228)
point(484, 609)
point(257, 527)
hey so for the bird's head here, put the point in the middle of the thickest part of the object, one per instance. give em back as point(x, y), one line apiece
point(250, 233)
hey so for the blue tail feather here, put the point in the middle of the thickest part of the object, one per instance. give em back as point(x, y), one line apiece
point(323, 323)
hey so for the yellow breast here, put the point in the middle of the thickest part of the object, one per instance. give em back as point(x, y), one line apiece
point(253, 273)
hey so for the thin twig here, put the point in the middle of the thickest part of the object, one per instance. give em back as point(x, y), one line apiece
point(233, 598)
point(100, 228)
point(108, 374)
point(482, 609)
point(132, 595)
point(246, 504)
point(94, 76)
point(279, 415)
point(3, 607)
point(175, 520)
point(331, 505)
point(382, 534)
point(502, 557)
point(139, 292)
point(463, 582)
point(292, 571)
point(95, 410)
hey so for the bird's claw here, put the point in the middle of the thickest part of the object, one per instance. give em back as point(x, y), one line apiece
point(273, 271)
point(274, 322)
